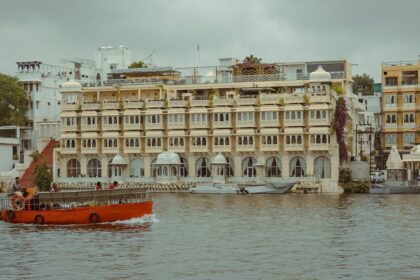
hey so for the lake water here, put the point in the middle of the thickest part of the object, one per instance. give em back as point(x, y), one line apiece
point(293, 236)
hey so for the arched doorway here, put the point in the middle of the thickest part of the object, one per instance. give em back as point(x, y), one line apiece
point(297, 167)
point(322, 166)
point(248, 169)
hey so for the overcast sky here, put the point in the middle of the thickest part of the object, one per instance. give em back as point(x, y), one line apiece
point(365, 32)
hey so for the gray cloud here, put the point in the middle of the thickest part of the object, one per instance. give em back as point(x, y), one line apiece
point(364, 32)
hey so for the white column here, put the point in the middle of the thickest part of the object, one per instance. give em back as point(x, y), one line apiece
point(285, 165)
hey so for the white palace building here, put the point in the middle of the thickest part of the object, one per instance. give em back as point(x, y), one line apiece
point(270, 117)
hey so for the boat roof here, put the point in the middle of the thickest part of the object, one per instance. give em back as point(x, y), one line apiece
point(88, 195)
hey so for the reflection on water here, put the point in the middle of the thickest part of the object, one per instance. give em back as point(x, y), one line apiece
point(229, 237)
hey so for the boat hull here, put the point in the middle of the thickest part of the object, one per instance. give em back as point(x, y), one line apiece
point(80, 215)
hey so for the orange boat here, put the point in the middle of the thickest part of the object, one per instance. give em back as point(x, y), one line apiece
point(76, 207)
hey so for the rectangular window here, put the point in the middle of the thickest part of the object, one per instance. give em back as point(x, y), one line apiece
point(409, 139)
point(391, 81)
point(391, 139)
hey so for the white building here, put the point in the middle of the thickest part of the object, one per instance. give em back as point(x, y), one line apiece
point(256, 116)
point(111, 58)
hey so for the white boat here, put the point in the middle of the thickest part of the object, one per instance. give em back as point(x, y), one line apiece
point(245, 189)
point(215, 188)
point(267, 188)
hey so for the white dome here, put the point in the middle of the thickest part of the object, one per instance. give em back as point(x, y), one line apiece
point(71, 86)
point(117, 160)
point(166, 158)
point(394, 159)
point(320, 75)
point(219, 159)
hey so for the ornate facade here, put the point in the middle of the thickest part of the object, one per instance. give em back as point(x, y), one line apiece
point(282, 125)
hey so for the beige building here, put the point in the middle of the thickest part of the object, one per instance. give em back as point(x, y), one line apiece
point(258, 120)
point(400, 106)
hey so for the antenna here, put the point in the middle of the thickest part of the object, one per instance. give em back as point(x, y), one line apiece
point(149, 56)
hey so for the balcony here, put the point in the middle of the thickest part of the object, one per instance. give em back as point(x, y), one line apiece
point(69, 128)
point(154, 126)
point(269, 123)
point(110, 150)
point(89, 150)
point(317, 122)
point(154, 149)
point(132, 150)
point(319, 146)
point(89, 127)
point(223, 102)
point(224, 124)
point(177, 103)
point(132, 126)
point(177, 149)
point(269, 147)
point(390, 107)
point(176, 125)
point(293, 99)
point(133, 104)
point(222, 148)
point(293, 122)
point(242, 123)
point(319, 99)
point(110, 105)
point(408, 106)
point(64, 150)
point(246, 101)
point(70, 107)
point(155, 104)
point(409, 125)
point(204, 125)
point(391, 125)
point(270, 99)
point(293, 147)
point(110, 127)
point(91, 106)
point(199, 149)
point(199, 103)
point(245, 148)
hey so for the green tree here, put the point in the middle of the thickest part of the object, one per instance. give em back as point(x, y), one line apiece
point(42, 174)
point(138, 64)
point(251, 59)
point(363, 84)
point(13, 101)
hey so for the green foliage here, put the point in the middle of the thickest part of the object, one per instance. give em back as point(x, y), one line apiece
point(356, 187)
point(344, 175)
point(363, 84)
point(251, 59)
point(13, 102)
point(340, 120)
point(338, 89)
point(42, 174)
point(138, 64)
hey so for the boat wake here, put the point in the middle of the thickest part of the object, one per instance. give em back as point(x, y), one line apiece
point(147, 219)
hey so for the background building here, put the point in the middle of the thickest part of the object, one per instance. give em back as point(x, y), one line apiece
point(400, 106)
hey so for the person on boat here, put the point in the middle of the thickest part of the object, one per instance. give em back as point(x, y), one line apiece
point(16, 185)
point(113, 185)
point(98, 186)
point(54, 188)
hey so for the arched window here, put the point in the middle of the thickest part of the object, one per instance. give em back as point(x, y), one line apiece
point(137, 167)
point(322, 167)
point(273, 167)
point(202, 167)
point(153, 168)
point(183, 169)
point(297, 167)
point(248, 168)
point(94, 168)
point(229, 167)
point(73, 168)
point(109, 169)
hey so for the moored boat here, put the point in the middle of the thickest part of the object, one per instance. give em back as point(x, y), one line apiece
point(76, 207)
